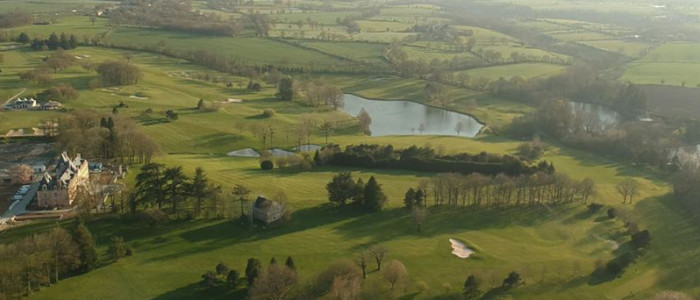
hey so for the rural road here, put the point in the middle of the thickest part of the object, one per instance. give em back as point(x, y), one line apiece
point(15, 96)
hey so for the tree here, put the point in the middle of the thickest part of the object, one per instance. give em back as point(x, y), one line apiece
point(341, 188)
point(373, 196)
point(209, 279)
point(118, 73)
point(21, 174)
point(64, 252)
point(232, 278)
point(290, 263)
point(419, 214)
point(361, 262)
point(395, 272)
point(471, 287)
point(365, 121)
point(344, 269)
point(627, 188)
point(222, 269)
point(378, 252)
point(23, 38)
point(252, 270)
point(176, 185)
point(86, 248)
point(409, 198)
point(200, 189)
point(326, 126)
point(275, 283)
point(117, 248)
point(285, 89)
point(512, 280)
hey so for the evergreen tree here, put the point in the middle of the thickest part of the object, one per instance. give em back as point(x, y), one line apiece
point(420, 198)
point(409, 198)
point(317, 158)
point(86, 247)
point(64, 41)
point(290, 263)
point(53, 43)
point(23, 38)
point(341, 188)
point(222, 268)
point(286, 89)
point(72, 42)
point(374, 198)
point(117, 249)
point(358, 193)
point(252, 270)
point(232, 278)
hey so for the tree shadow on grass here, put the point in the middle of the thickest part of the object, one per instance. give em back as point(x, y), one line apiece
point(195, 291)
point(441, 220)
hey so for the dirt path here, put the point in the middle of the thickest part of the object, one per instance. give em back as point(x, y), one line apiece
point(15, 96)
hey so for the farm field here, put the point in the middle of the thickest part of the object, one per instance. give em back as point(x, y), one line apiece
point(523, 70)
point(316, 51)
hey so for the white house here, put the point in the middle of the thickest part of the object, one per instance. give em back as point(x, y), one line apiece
point(22, 103)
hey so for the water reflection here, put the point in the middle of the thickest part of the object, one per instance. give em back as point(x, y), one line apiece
point(406, 117)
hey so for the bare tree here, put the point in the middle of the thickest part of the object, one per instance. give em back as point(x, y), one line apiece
point(419, 214)
point(365, 121)
point(21, 174)
point(361, 261)
point(378, 251)
point(627, 188)
point(395, 272)
point(275, 283)
point(421, 128)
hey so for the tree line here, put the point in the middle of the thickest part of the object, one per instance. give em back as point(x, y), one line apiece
point(53, 42)
point(425, 159)
point(479, 190)
point(104, 137)
point(343, 190)
point(44, 259)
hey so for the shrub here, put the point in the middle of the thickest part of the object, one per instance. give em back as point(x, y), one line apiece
point(618, 264)
point(268, 113)
point(152, 217)
point(612, 213)
point(641, 239)
point(267, 165)
point(594, 207)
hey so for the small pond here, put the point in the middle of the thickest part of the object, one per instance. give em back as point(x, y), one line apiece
point(406, 117)
point(606, 115)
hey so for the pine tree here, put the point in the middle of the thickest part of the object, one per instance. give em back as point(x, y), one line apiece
point(409, 198)
point(317, 158)
point(290, 263)
point(252, 270)
point(374, 198)
point(86, 247)
point(273, 261)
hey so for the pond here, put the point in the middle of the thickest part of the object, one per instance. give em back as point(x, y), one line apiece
point(406, 118)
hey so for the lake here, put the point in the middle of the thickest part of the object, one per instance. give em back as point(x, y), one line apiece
point(606, 115)
point(406, 117)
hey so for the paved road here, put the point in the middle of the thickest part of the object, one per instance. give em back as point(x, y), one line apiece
point(21, 207)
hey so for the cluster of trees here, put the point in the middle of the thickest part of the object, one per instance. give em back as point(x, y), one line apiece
point(53, 42)
point(106, 137)
point(157, 186)
point(118, 73)
point(641, 142)
point(43, 259)
point(58, 60)
point(62, 92)
point(502, 191)
point(686, 188)
point(21, 174)
point(350, 22)
point(579, 83)
point(274, 281)
point(425, 159)
point(172, 15)
point(321, 94)
point(14, 19)
point(343, 189)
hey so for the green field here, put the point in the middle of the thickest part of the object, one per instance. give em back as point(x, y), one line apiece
point(555, 248)
point(524, 70)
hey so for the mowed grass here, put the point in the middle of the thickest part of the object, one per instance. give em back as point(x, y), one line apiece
point(670, 64)
point(524, 70)
point(170, 260)
point(631, 49)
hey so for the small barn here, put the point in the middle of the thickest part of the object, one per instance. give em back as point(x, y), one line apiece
point(267, 210)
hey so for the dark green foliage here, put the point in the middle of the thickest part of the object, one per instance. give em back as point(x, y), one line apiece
point(641, 239)
point(253, 86)
point(290, 263)
point(612, 213)
point(618, 264)
point(171, 115)
point(232, 278)
point(471, 287)
point(222, 269)
point(23, 38)
point(374, 198)
point(200, 104)
point(594, 207)
point(65, 42)
point(209, 279)
point(341, 188)
point(409, 198)
point(86, 247)
point(273, 261)
point(117, 248)
point(512, 280)
point(252, 270)
point(266, 165)
point(285, 90)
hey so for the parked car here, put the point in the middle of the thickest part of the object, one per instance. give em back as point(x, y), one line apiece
point(17, 197)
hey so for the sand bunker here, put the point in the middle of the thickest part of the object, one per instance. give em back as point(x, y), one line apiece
point(137, 97)
point(232, 100)
point(281, 153)
point(459, 249)
point(247, 152)
point(309, 147)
